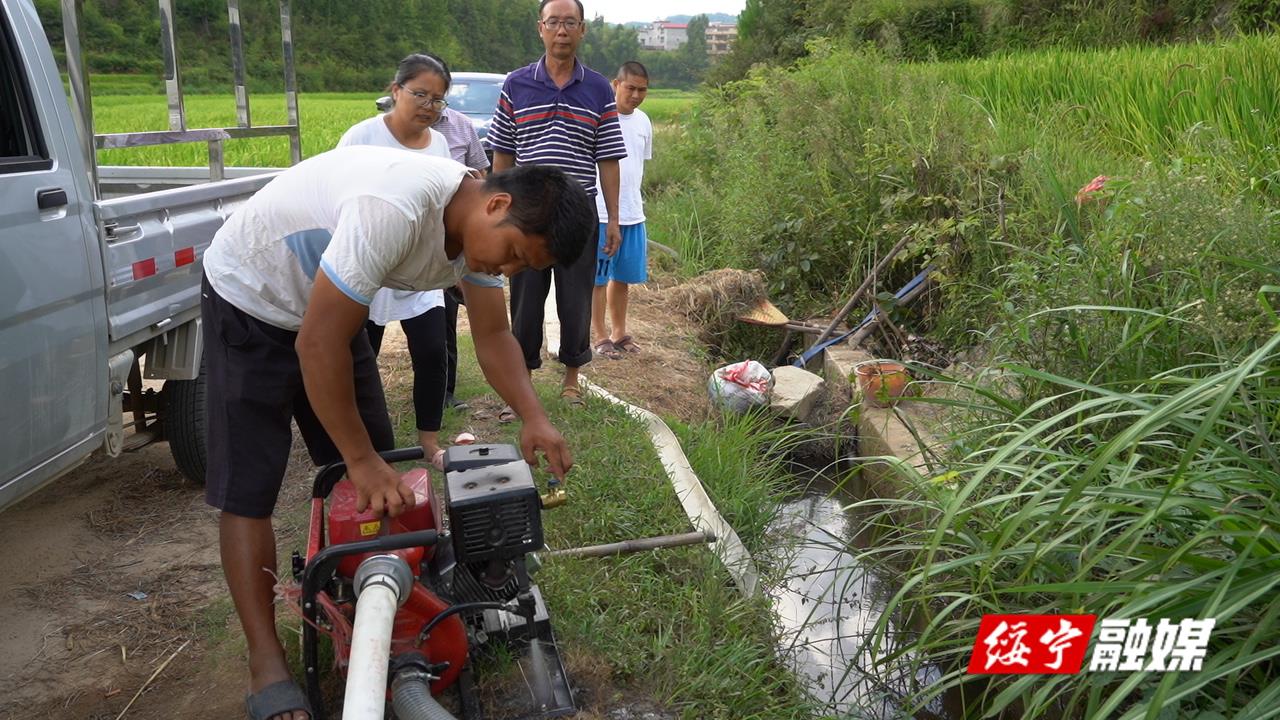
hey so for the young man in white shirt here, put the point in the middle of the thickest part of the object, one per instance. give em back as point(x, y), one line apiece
point(288, 281)
point(628, 263)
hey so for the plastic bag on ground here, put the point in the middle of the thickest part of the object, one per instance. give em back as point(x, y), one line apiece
point(741, 386)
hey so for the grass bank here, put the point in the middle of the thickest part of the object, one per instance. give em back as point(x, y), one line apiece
point(978, 164)
point(665, 625)
point(1156, 500)
point(1123, 463)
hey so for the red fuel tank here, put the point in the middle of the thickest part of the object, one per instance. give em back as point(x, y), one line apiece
point(346, 525)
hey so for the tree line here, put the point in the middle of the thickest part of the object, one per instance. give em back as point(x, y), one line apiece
point(349, 46)
point(781, 31)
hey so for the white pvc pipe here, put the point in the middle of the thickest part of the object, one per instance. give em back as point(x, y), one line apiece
point(693, 497)
point(370, 650)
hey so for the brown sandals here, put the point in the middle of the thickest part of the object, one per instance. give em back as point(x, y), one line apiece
point(606, 348)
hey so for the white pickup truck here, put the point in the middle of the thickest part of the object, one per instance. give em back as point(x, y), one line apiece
point(100, 267)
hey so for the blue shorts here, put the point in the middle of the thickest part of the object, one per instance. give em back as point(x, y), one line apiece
point(628, 265)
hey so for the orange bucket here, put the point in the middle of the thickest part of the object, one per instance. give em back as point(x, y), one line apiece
point(882, 382)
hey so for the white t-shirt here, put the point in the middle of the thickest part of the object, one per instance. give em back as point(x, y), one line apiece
point(637, 133)
point(371, 217)
point(374, 131)
point(389, 305)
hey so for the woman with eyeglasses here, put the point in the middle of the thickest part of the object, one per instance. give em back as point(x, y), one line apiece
point(417, 94)
point(417, 99)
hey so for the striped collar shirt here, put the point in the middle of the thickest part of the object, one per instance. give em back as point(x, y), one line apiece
point(572, 127)
point(460, 134)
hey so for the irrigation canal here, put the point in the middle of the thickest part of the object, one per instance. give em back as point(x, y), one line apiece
point(826, 603)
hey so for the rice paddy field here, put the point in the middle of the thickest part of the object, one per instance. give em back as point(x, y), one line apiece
point(667, 107)
point(133, 104)
point(1139, 102)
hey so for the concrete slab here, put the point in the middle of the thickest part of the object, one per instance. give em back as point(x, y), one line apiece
point(795, 392)
point(885, 432)
point(838, 362)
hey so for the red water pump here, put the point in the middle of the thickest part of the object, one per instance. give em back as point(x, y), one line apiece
point(463, 580)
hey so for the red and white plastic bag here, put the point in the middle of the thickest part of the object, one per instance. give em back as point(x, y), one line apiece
point(741, 386)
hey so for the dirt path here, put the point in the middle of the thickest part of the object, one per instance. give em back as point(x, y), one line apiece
point(669, 375)
point(114, 569)
point(106, 575)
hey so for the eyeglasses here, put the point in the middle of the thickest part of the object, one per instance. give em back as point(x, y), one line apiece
point(554, 24)
point(424, 100)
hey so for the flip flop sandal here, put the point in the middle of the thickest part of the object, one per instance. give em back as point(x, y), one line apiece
point(607, 349)
point(506, 415)
point(626, 344)
point(573, 396)
point(437, 460)
point(278, 698)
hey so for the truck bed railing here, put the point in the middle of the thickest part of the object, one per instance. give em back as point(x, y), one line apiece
point(178, 131)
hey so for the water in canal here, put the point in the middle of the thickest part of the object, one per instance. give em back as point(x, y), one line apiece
point(826, 604)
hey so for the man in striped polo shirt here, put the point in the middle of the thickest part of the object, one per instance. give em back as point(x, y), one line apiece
point(464, 144)
point(559, 112)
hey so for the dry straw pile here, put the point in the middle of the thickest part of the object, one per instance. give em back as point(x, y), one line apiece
point(715, 300)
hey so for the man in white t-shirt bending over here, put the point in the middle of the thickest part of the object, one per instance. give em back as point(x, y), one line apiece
point(288, 280)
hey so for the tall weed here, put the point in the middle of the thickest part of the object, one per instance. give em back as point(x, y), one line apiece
point(1156, 500)
point(1165, 271)
point(812, 172)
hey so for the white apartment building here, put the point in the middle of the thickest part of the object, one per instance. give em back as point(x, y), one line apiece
point(720, 37)
point(663, 35)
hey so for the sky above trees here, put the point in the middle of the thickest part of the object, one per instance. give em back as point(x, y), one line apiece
point(621, 11)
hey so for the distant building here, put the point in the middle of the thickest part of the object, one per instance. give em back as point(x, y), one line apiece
point(663, 35)
point(720, 37)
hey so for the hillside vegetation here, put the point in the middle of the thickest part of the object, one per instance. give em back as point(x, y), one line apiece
point(334, 44)
point(345, 46)
point(778, 31)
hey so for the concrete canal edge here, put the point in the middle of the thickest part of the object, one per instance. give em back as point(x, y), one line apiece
point(899, 436)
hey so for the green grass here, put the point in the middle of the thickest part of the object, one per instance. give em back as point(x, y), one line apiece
point(668, 624)
point(1139, 101)
point(1157, 500)
point(734, 447)
point(666, 107)
point(324, 117)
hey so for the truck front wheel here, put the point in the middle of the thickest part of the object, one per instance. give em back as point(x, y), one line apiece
point(184, 425)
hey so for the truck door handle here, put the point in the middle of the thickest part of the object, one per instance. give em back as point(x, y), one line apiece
point(51, 198)
point(116, 231)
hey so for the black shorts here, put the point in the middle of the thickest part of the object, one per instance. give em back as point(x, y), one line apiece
point(253, 389)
